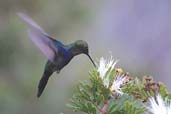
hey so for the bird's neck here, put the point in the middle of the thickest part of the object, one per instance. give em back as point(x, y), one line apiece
point(72, 48)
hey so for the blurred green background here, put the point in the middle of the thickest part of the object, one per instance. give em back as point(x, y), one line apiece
point(135, 32)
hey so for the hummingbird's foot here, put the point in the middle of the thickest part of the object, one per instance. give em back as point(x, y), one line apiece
point(58, 71)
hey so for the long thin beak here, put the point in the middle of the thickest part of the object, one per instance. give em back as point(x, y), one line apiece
point(91, 60)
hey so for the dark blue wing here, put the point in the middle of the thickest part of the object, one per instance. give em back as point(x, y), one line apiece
point(42, 40)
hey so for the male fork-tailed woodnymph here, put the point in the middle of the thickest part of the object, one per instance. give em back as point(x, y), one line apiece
point(58, 54)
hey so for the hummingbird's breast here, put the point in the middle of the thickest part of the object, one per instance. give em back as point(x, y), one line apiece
point(63, 58)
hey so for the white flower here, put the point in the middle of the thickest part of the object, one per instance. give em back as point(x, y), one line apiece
point(104, 67)
point(117, 83)
point(159, 106)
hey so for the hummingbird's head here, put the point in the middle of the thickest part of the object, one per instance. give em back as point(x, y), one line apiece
point(80, 47)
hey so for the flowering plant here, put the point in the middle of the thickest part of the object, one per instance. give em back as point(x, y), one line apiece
point(111, 90)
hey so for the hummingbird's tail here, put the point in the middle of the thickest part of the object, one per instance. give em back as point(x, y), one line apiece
point(43, 81)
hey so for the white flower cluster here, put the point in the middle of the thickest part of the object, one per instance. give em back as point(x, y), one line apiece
point(159, 106)
point(107, 66)
point(118, 81)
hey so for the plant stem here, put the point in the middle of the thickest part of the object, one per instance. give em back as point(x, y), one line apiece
point(105, 107)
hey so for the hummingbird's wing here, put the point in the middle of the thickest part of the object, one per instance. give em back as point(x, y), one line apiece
point(45, 45)
point(41, 39)
point(31, 22)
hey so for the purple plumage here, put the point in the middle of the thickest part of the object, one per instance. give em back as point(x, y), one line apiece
point(40, 37)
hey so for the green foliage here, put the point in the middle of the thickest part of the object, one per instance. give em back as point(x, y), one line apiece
point(125, 105)
point(83, 100)
point(93, 97)
point(89, 95)
point(143, 89)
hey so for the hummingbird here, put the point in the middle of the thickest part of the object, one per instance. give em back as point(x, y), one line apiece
point(58, 54)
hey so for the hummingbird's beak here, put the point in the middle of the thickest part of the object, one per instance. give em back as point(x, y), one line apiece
point(91, 60)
